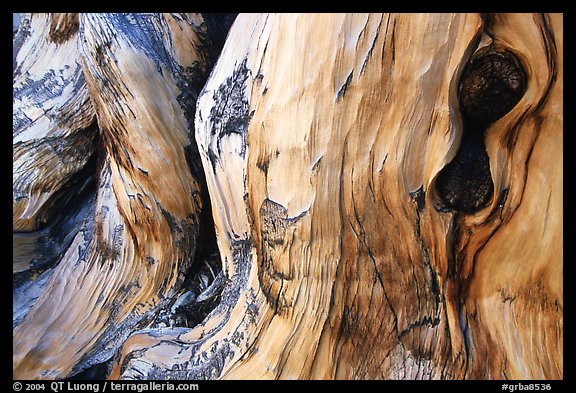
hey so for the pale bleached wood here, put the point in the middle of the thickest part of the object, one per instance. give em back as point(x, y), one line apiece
point(323, 139)
point(342, 261)
point(54, 143)
point(53, 134)
point(129, 258)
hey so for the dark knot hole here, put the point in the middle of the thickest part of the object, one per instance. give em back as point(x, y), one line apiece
point(492, 83)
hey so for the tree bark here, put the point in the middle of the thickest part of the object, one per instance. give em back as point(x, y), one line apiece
point(385, 190)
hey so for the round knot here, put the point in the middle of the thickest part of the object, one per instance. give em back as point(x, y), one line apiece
point(491, 85)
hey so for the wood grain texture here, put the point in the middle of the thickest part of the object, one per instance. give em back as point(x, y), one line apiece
point(129, 257)
point(325, 141)
point(54, 152)
point(511, 258)
point(54, 135)
point(322, 137)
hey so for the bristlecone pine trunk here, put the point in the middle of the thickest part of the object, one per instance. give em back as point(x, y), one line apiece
point(318, 196)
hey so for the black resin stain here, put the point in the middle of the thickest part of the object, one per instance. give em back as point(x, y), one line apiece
point(230, 113)
point(344, 87)
point(491, 85)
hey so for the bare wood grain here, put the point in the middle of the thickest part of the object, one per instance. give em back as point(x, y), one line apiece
point(130, 256)
point(325, 141)
point(342, 262)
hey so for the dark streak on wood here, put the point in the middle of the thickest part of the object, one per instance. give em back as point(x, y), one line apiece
point(344, 87)
point(50, 245)
point(369, 54)
point(230, 113)
point(63, 27)
point(551, 58)
point(209, 365)
point(274, 221)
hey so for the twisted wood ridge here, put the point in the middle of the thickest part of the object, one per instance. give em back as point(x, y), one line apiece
point(386, 193)
point(137, 76)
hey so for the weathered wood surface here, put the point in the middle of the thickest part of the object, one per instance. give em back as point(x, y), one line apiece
point(53, 134)
point(139, 75)
point(386, 192)
point(323, 137)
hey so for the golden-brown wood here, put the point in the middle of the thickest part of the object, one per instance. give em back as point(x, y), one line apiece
point(131, 256)
point(326, 141)
point(328, 220)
